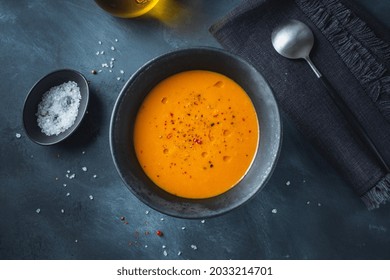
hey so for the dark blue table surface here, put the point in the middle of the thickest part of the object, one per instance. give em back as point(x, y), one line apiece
point(317, 214)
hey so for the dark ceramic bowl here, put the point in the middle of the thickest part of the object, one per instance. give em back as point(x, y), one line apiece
point(34, 97)
point(134, 92)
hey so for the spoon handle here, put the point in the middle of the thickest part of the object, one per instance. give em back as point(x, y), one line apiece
point(356, 126)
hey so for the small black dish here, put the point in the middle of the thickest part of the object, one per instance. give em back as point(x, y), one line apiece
point(34, 97)
point(137, 88)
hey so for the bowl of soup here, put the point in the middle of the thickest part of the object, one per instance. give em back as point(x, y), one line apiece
point(195, 133)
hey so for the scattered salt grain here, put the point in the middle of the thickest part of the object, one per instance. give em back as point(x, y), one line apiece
point(274, 211)
point(122, 72)
point(112, 59)
point(116, 40)
point(179, 253)
point(165, 253)
point(194, 247)
point(68, 171)
point(183, 228)
point(146, 212)
point(146, 246)
point(38, 210)
point(76, 241)
point(58, 108)
point(91, 197)
point(319, 204)
point(104, 65)
point(67, 194)
point(163, 246)
point(94, 176)
point(18, 135)
point(62, 211)
point(102, 52)
point(64, 185)
point(308, 202)
point(202, 221)
point(83, 152)
point(84, 168)
point(100, 42)
point(162, 219)
point(97, 53)
point(72, 176)
point(112, 48)
point(118, 78)
point(288, 183)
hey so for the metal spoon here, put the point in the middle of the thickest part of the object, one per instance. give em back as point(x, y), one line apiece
point(294, 40)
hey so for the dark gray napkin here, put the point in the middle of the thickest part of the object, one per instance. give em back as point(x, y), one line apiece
point(352, 51)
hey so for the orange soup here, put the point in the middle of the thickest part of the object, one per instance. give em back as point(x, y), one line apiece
point(196, 134)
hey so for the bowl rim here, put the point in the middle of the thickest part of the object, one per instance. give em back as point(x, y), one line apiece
point(144, 67)
point(77, 122)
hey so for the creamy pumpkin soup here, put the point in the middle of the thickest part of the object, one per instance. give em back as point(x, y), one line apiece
point(196, 134)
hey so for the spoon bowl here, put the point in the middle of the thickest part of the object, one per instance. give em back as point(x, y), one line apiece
point(293, 39)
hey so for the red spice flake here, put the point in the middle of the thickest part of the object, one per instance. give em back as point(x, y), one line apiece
point(198, 141)
point(159, 233)
point(171, 114)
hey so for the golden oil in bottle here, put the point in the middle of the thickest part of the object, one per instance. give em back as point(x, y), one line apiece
point(127, 8)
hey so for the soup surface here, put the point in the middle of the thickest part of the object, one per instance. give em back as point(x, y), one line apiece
point(196, 134)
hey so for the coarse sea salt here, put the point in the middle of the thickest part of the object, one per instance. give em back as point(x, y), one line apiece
point(58, 108)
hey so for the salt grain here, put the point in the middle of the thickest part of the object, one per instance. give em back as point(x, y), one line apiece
point(72, 176)
point(18, 135)
point(288, 183)
point(179, 253)
point(319, 204)
point(183, 228)
point(64, 185)
point(202, 221)
point(118, 78)
point(38, 210)
point(112, 48)
point(116, 40)
point(100, 42)
point(165, 253)
point(67, 194)
point(146, 212)
point(62, 211)
point(58, 108)
point(76, 241)
point(194, 247)
point(122, 72)
point(274, 211)
point(162, 219)
point(85, 169)
point(91, 197)
point(94, 176)
point(97, 53)
point(307, 202)
point(163, 246)
point(102, 52)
